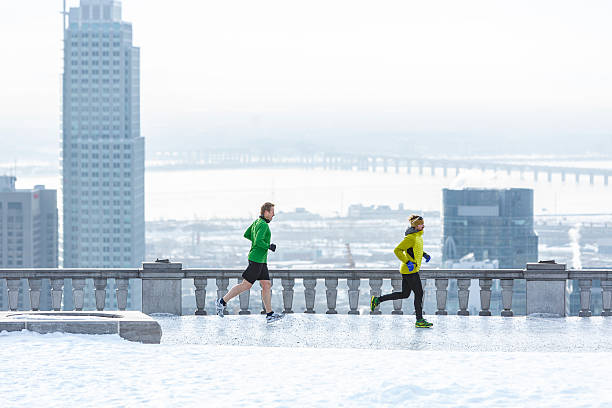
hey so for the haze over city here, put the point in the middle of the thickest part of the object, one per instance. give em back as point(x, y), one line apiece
point(453, 78)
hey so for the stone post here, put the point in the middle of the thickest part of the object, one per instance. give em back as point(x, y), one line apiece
point(353, 294)
point(507, 290)
point(161, 287)
point(375, 290)
point(485, 297)
point(546, 288)
point(13, 292)
point(121, 292)
point(222, 284)
point(200, 295)
point(309, 294)
point(585, 297)
point(396, 284)
point(100, 285)
point(288, 284)
point(57, 289)
point(606, 297)
point(77, 293)
point(331, 292)
point(441, 295)
point(464, 296)
point(35, 286)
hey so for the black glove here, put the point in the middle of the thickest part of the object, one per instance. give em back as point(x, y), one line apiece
point(272, 247)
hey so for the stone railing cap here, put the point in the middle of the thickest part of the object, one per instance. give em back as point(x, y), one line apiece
point(162, 265)
point(546, 266)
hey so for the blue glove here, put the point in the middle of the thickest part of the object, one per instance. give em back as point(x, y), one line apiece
point(427, 257)
point(272, 247)
point(410, 266)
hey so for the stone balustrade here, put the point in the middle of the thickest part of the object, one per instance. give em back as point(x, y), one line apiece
point(162, 283)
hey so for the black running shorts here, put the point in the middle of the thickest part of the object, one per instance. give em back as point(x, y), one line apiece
point(256, 271)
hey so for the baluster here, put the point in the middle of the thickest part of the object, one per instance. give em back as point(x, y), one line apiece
point(77, 293)
point(375, 290)
point(309, 294)
point(57, 290)
point(485, 297)
point(507, 290)
point(332, 294)
point(353, 294)
point(13, 292)
point(464, 296)
point(222, 284)
point(200, 295)
point(100, 285)
point(396, 284)
point(244, 298)
point(35, 286)
point(585, 297)
point(441, 296)
point(288, 284)
point(606, 297)
point(121, 292)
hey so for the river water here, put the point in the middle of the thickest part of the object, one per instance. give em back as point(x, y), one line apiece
point(227, 193)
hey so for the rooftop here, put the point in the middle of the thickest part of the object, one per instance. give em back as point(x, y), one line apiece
point(319, 360)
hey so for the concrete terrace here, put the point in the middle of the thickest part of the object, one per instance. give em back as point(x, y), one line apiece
point(316, 360)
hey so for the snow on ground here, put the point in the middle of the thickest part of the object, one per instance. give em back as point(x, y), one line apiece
point(420, 368)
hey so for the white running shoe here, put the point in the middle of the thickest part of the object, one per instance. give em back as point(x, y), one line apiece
point(274, 317)
point(220, 308)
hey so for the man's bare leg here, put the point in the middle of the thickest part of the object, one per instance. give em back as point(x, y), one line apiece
point(266, 294)
point(237, 289)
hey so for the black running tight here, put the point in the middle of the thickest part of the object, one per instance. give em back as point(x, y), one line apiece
point(410, 283)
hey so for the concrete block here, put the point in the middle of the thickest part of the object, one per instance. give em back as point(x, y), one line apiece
point(161, 288)
point(11, 326)
point(130, 325)
point(145, 332)
point(162, 296)
point(546, 297)
point(78, 327)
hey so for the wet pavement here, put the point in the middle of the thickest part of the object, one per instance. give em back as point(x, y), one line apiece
point(450, 333)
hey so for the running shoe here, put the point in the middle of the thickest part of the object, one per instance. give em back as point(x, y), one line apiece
point(423, 323)
point(274, 317)
point(220, 308)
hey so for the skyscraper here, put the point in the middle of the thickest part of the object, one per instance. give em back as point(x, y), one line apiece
point(102, 158)
point(491, 224)
point(28, 235)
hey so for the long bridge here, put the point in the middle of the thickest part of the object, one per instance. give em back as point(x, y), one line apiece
point(447, 167)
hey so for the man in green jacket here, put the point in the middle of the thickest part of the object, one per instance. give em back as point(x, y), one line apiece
point(259, 235)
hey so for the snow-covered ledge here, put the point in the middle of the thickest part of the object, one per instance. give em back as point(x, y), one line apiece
point(162, 286)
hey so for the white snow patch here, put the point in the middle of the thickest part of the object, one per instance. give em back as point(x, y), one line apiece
point(79, 370)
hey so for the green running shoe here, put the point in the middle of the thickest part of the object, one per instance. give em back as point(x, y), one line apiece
point(373, 303)
point(422, 323)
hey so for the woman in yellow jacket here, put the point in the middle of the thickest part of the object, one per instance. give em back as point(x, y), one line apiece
point(410, 252)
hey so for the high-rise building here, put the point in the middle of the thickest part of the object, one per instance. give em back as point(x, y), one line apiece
point(491, 224)
point(489, 228)
point(102, 158)
point(102, 150)
point(28, 235)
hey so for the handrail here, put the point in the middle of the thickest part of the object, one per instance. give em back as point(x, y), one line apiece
point(211, 273)
point(162, 286)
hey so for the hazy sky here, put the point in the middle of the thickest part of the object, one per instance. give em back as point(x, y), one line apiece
point(271, 68)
